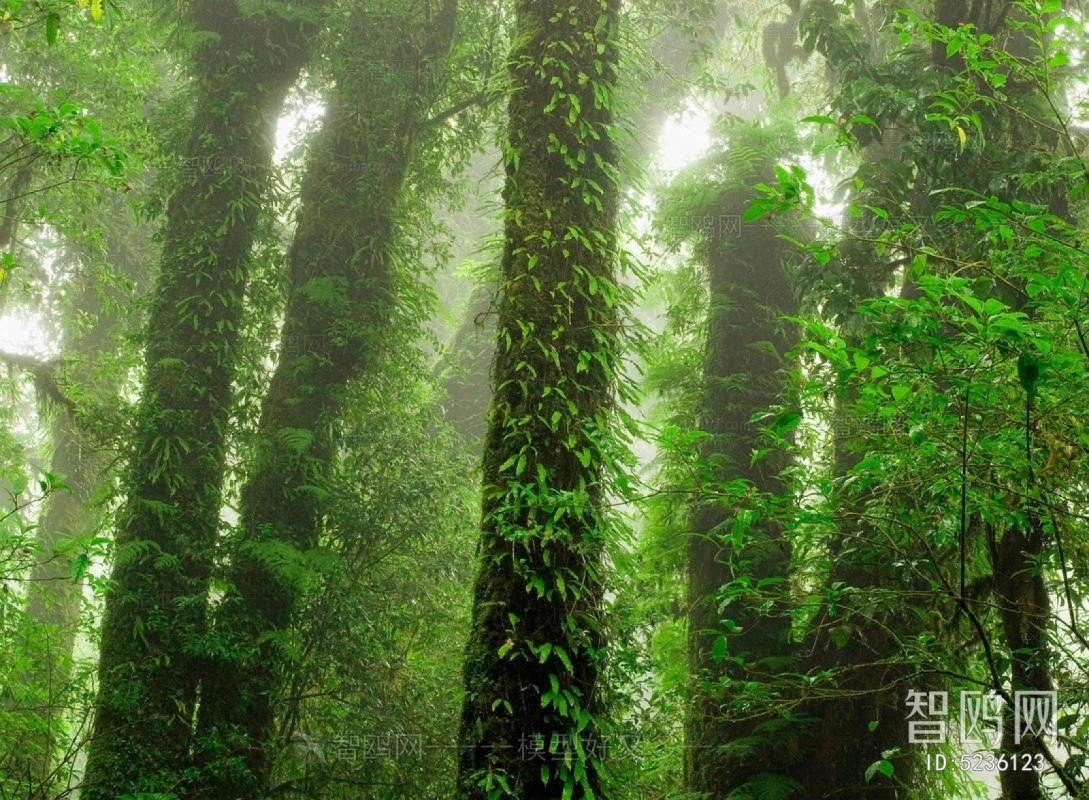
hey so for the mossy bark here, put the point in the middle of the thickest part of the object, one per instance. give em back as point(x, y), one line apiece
point(746, 343)
point(155, 615)
point(55, 595)
point(860, 642)
point(1025, 610)
point(471, 351)
point(341, 297)
point(531, 719)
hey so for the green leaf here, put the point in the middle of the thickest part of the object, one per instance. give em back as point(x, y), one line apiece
point(566, 659)
point(1028, 371)
point(79, 565)
point(18, 485)
point(768, 786)
point(862, 119)
point(326, 290)
point(760, 207)
point(787, 421)
point(298, 440)
point(883, 766)
point(52, 28)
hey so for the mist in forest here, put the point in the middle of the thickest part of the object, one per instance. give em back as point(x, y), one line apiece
point(585, 400)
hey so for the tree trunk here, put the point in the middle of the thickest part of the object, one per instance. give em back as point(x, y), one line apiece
point(341, 297)
point(858, 640)
point(1025, 611)
point(154, 618)
point(531, 720)
point(746, 342)
point(466, 367)
point(54, 594)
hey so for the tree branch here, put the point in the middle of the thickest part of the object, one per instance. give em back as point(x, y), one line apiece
point(482, 98)
point(45, 378)
point(25, 363)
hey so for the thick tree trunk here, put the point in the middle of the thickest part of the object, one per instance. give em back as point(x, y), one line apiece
point(746, 343)
point(466, 367)
point(858, 641)
point(532, 664)
point(154, 618)
point(341, 298)
point(1025, 610)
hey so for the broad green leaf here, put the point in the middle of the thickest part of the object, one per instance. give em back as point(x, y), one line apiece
point(52, 27)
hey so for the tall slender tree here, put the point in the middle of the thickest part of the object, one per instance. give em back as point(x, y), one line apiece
point(533, 658)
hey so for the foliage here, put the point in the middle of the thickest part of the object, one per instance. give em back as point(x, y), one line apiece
point(371, 690)
point(923, 386)
point(947, 384)
point(928, 436)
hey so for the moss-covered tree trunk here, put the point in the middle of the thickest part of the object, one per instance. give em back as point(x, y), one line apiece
point(55, 594)
point(746, 342)
point(531, 714)
point(1025, 610)
point(154, 620)
point(340, 300)
point(859, 642)
point(466, 365)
